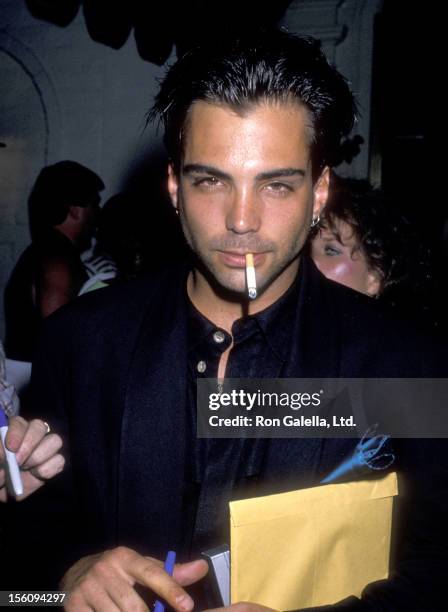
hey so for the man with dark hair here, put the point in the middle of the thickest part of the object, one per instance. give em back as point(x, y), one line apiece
point(252, 128)
point(62, 210)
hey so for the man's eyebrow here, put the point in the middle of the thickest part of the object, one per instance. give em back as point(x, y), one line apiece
point(202, 169)
point(280, 172)
point(262, 176)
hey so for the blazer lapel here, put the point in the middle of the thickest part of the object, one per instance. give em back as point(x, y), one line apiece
point(153, 429)
point(315, 353)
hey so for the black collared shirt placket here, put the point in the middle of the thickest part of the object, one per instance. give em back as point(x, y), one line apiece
point(219, 470)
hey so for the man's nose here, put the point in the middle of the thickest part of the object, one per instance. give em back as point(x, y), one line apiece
point(243, 215)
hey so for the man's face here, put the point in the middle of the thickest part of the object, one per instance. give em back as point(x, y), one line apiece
point(245, 186)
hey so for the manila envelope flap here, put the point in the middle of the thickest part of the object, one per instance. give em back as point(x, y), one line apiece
point(313, 546)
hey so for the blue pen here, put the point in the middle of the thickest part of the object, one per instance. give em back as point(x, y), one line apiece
point(169, 568)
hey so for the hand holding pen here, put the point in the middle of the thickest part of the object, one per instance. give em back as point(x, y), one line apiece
point(106, 581)
point(33, 449)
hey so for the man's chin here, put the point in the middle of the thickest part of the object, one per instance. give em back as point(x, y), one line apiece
point(228, 283)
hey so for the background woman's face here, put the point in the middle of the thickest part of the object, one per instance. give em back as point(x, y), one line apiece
point(340, 257)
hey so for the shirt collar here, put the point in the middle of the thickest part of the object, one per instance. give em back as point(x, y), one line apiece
point(199, 327)
point(275, 322)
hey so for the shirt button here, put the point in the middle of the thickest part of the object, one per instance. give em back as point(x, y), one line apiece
point(201, 367)
point(219, 337)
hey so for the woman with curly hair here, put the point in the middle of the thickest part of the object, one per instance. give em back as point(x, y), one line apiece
point(362, 242)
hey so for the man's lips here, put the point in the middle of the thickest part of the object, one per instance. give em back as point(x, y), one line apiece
point(238, 260)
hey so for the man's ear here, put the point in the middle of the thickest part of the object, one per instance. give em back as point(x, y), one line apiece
point(173, 185)
point(321, 191)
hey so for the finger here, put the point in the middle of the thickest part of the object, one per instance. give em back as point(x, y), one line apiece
point(118, 587)
point(73, 576)
point(99, 600)
point(47, 448)
point(34, 434)
point(91, 594)
point(150, 573)
point(30, 485)
point(33, 479)
point(189, 573)
point(110, 606)
point(76, 602)
point(49, 468)
point(17, 427)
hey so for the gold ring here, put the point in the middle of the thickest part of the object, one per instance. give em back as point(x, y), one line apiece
point(48, 427)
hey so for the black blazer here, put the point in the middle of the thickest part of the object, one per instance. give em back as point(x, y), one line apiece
point(110, 376)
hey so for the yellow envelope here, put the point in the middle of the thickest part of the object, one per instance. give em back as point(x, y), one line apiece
point(311, 547)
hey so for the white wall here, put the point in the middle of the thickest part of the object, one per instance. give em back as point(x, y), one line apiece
point(63, 96)
point(346, 30)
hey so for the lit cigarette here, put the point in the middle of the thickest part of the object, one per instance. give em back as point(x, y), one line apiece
point(250, 276)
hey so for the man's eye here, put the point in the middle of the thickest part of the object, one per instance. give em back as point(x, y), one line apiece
point(279, 188)
point(208, 181)
point(331, 251)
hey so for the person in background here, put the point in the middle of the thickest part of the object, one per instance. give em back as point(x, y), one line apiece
point(117, 248)
point(120, 234)
point(362, 242)
point(63, 207)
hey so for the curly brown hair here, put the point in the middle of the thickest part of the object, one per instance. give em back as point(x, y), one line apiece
point(387, 239)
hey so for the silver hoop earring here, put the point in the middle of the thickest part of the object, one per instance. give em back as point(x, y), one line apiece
point(315, 221)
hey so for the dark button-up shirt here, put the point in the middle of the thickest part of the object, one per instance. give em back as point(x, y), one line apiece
point(223, 469)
